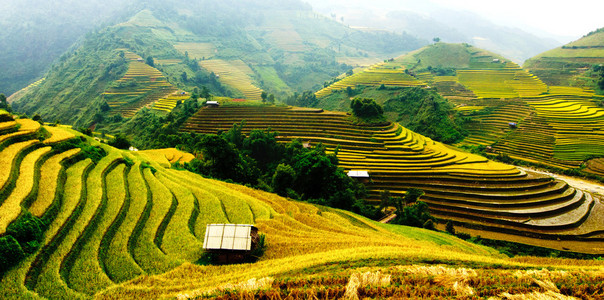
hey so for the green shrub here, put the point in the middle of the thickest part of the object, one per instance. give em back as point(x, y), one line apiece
point(259, 250)
point(28, 230)
point(416, 215)
point(366, 108)
point(450, 228)
point(10, 253)
point(95, 153)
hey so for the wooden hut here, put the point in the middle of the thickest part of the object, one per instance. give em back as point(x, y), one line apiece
point(231, 243)
point(212, 103)
point(361, 176)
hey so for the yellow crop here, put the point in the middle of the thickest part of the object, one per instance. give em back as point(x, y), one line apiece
point(11, 207)
point(49, 174)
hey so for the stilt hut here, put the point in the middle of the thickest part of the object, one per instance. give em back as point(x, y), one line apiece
point(231, 243)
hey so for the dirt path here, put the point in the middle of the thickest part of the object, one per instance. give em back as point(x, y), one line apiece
point(388, 219)
point(583, 184)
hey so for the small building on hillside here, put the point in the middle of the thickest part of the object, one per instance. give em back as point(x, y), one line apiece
point(513, 125)
point(212, 103)
point(231, 243)
point(361, 176)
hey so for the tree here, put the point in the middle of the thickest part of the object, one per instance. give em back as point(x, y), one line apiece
point(366, 108)
point(436, 39)
point(450, 228)
point(271, 99)
point(10, 252)
point(3, 102)
point(262, 146)
point(184, 77)
point(283, 179)
point(263, 96)
point(416, 215)
point(150, 61)
point(349, 72)
point(205, 92)
point(120, 142)
point(385, 199)
point(221, 160)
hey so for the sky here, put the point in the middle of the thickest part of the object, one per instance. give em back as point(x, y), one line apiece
point(566, 20)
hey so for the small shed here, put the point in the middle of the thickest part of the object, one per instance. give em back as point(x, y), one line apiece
point(212, 103)
point(362, 176)
point(231, 243)
point(513, 125)
point(495, 60)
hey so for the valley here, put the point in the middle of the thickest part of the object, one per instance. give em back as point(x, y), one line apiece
point(171, 116)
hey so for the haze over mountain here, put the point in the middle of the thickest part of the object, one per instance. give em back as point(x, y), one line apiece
point(512, 29)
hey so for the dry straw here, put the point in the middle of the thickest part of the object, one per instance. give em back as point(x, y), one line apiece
point(365, 279)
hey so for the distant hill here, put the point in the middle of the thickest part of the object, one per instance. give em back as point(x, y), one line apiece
point(36, 33)
point(569, 65)
point(235, 50)
point(428, 20)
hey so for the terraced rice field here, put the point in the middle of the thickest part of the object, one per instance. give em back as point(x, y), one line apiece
point(112, 221)
point(235, 74)
point(508, 82)
point(141, 86)
point(467, 189)
point(388, 74)
point(21, 92)
point(169, 102)
point(197, 50)
point(287, 39)
point(557, 126)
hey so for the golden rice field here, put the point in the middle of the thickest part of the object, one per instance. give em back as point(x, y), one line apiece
point(236, 74)
point(141, 86)
point(386, 73)
point(128, 227)
point(467, 189)
point(557, 126)
point(169, 102)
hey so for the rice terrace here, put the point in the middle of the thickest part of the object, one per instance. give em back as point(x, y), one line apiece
point(300, 150)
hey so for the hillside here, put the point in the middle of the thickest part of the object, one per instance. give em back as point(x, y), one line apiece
point(123, 225)
point(570, 64)
point(498, 200)
point(556, 126)
point(113, 218)
point(237, 51)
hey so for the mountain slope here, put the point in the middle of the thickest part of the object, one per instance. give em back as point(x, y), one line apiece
point(234, 50)
point(570, 64)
